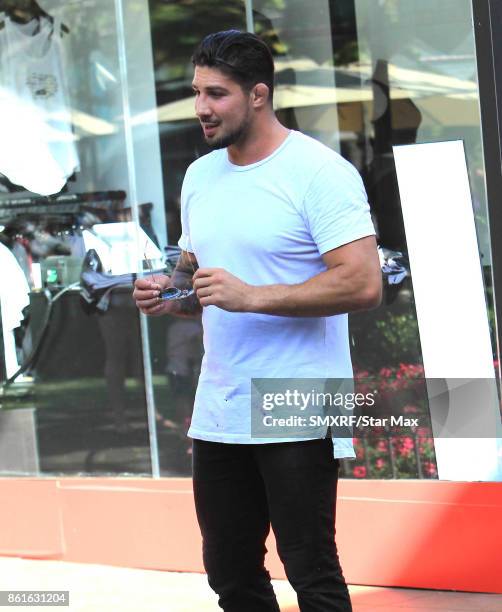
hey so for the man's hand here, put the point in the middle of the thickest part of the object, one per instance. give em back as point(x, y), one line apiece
point(217, 287)
point(146, 294)
point(352, 281)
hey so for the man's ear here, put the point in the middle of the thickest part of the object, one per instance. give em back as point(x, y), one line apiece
point(260, 95)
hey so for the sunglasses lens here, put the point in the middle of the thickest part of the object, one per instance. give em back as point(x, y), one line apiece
point(170, 294)
point(173, 293)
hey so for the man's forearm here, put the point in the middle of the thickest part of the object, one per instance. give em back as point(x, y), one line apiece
point(182, 279)
point(328, 293)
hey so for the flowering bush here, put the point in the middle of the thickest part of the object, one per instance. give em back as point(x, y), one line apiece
point(394, 457)
point(406, 376)
point(392, 452)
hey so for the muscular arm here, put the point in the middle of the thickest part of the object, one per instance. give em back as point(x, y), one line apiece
point(352, 281)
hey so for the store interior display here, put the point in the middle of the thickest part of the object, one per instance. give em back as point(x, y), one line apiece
point(37, 228)
point(14, 298)
point(67, 186)
point(26, 10)
point(109, 202)
point(38, 150)
point(122, 246)
point(52, 236)
point(96, 286)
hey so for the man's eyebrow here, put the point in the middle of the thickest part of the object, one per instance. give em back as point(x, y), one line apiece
point(211, 88)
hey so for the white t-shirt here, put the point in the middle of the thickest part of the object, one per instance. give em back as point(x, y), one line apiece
point(268, 223)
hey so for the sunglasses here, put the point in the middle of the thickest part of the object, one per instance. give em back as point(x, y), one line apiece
point(172, 293)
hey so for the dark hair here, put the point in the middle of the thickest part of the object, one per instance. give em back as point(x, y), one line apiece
point(242, 56)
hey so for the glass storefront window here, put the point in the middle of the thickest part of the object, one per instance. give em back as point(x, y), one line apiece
point(362, 76)
point(177, 27)
point(71, 181)
point(103, 391)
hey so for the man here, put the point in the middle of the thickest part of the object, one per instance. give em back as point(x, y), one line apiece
point(279, 226)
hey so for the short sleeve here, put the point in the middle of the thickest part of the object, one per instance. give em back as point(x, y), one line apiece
point(184, 241)
point(336, 206)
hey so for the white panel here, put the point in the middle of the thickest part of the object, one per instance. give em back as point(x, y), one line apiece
point(449, 296)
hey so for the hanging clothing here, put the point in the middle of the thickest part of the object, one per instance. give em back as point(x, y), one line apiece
point(14, 297)
point(14, 290)
point(22, 252)
point(38, 149)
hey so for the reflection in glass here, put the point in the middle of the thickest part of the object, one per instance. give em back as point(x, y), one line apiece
point(176, 343)
point(360, 76)
point(75, 399)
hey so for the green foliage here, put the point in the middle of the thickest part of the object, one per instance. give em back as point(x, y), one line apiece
point(385, 338)
point(399, 336)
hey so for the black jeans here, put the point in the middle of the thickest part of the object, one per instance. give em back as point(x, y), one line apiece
point(242, 489)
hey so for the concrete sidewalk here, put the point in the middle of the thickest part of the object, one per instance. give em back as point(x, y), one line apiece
point(100, 588)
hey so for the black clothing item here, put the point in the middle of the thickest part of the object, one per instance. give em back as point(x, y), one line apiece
point(242, 489)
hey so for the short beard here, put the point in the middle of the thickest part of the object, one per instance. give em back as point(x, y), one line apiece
point(225, 141)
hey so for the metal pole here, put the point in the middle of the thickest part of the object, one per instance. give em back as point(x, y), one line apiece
point(249, 16)
point(133, 197)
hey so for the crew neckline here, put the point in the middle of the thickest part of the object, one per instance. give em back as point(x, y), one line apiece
point(28, 28)
point(42, 38)
point(237, 168)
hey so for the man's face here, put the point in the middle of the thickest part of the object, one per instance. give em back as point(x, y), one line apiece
point(223, 108)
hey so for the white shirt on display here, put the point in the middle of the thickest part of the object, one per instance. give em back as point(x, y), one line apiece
point(38, 149)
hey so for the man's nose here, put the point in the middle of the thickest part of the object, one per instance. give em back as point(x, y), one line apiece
point(201, 107)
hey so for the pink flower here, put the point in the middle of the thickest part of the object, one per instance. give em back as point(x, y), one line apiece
point(426, 443)
point(382, 446)
point(423, 432)
point(404, 446)
point(361, 374)
point(410, 409)
point(359, 471)
point(430, 468)
point(380, 463)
